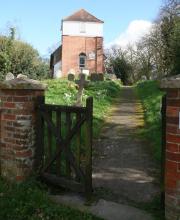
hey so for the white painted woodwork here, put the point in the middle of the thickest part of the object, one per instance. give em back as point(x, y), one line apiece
point(77, 28)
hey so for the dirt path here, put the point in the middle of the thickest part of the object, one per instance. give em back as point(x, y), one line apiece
point(123, 170)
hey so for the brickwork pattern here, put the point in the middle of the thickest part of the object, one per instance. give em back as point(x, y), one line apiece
point(172, 169)
point(74, 45)
point(17, 132)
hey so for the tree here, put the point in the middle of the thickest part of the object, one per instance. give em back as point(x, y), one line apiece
point(170, 35)
point(118, 63)
point(19, 57)
point(155, 55)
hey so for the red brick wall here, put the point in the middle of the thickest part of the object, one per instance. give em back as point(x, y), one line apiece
point(172, 169)
point(73, 46)
point(17, 129)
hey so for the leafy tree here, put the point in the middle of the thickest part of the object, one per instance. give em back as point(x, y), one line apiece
point(175, 45)
point(155, 55)
point(19, 57)
point(119, 65)
point(170, 35)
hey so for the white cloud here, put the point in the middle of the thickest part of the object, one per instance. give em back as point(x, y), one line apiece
point(135, 30)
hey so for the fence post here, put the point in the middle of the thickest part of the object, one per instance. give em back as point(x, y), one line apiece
point(38, 163)
point(172, 147)
point(88, 144)
point(18, 98)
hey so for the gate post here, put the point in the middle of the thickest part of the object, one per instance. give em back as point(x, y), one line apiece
point(172, 151)
point(18, 102)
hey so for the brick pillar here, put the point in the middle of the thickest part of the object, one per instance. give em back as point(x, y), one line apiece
point(172, 161)
point(18, 100)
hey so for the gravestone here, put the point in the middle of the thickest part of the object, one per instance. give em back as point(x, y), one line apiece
point(101, 76)
point(9, 76)
point(94, 77)
point(82, 82)
point(21, 76)
point(71, 77)
point(97, 77)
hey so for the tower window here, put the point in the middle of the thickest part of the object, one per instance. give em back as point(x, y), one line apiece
point(82, 27)
point(82, 60)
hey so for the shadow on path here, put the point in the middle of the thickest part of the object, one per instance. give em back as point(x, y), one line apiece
point(122, 168)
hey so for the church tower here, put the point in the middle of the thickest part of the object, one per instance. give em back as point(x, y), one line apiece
point(82, 44)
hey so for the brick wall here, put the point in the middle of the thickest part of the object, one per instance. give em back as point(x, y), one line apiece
point(18, 131)
point(74, 45)
point(172, 161)
point(172, 169)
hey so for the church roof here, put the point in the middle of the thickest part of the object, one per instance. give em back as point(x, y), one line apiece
point(84, 16)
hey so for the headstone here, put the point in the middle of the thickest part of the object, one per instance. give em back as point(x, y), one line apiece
point(101, 76)
point(9, 76)
point(94, 77)
point(21, 76)
point(81, 84)
point(97, 77)
point(71, 77)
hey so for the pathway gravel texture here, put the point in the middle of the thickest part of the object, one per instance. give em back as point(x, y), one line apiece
point(106, 210)
point(123, 169)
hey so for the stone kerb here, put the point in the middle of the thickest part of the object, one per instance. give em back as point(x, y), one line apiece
point(172, 161)
point(18, 100)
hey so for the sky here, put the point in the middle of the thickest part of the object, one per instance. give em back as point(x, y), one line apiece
point(38, 21)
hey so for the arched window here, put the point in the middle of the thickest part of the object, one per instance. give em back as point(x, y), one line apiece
point(82, 60)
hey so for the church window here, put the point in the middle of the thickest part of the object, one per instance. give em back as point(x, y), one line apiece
point(82, 60)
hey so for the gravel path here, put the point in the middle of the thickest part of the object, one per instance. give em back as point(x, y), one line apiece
point(123, 169)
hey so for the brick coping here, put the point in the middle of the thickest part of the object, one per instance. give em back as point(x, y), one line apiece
point(170, 82)
point(18, 83)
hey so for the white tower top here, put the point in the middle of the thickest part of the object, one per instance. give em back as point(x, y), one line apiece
point(82, 23)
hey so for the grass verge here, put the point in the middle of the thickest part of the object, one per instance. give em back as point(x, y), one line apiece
point(30, 201)
point(151, 97)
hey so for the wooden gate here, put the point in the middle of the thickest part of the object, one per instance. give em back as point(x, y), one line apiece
point(64, 148)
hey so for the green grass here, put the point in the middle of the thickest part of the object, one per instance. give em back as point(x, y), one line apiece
point(64, 92)
point(151, 97)
point(30, 201)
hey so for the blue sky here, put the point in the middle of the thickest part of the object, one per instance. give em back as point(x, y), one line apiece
point(39, 21)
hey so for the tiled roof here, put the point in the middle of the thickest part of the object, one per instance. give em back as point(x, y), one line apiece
point(84, 16)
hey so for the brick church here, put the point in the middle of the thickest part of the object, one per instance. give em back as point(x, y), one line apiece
point(81, 50)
